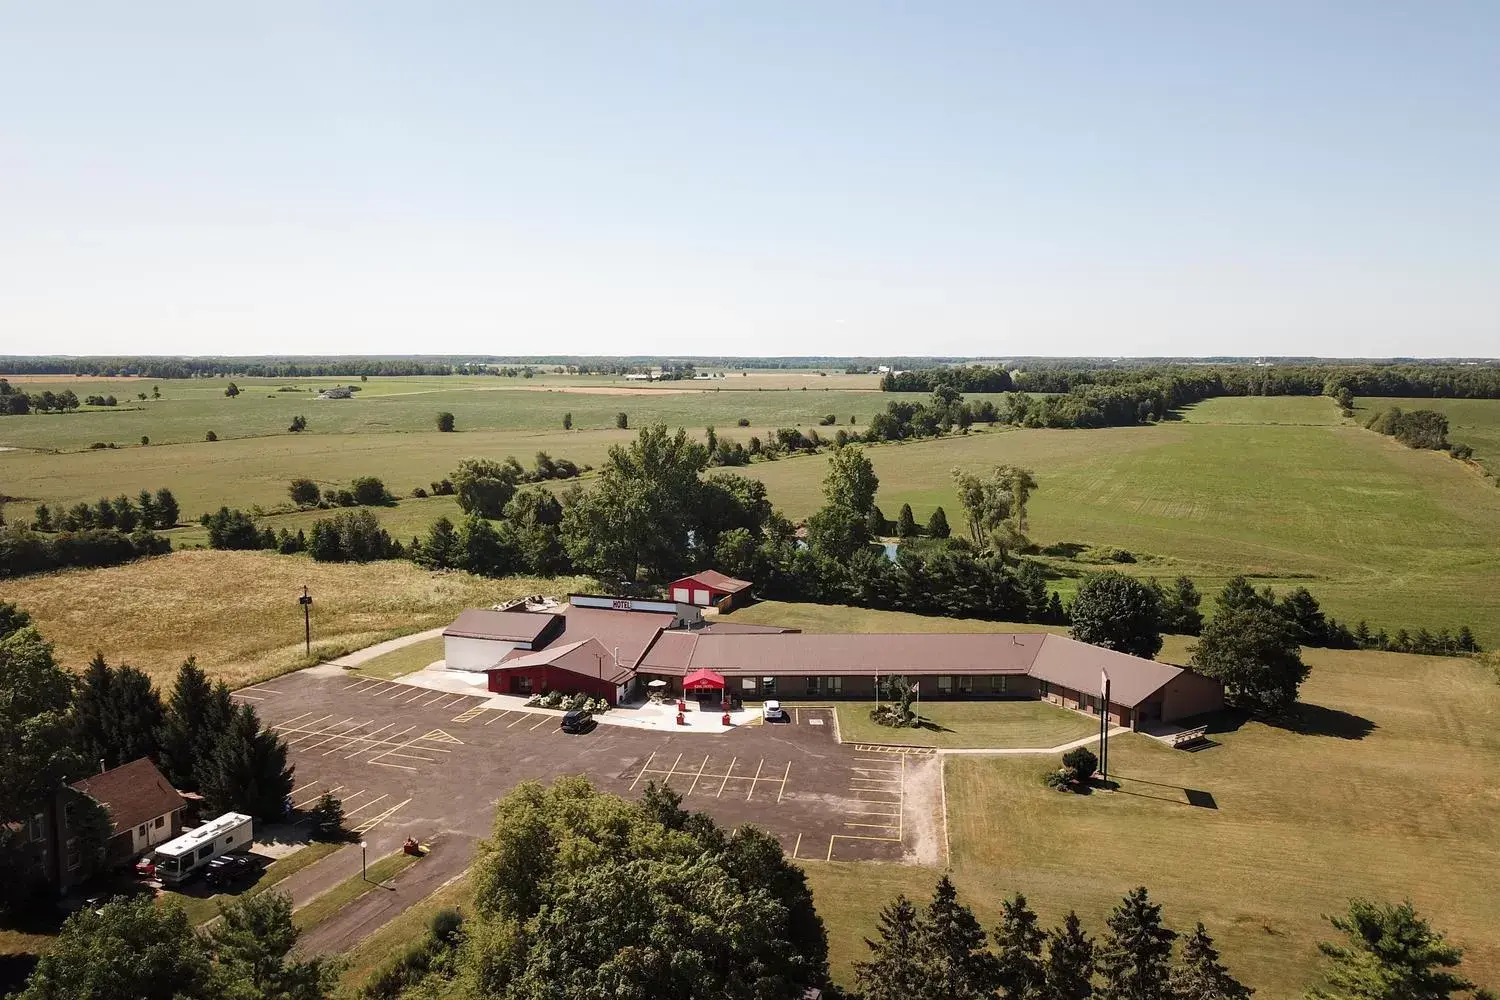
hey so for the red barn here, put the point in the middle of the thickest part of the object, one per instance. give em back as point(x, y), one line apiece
point(710, 588)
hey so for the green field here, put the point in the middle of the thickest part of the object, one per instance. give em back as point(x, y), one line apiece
point(1475, 422)
point(399, 662)
point(1378, 531)
point(969, 724)
point(1303, 821)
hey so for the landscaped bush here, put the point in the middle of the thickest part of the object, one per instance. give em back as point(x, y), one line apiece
point(1082, 762)
point(893, 716)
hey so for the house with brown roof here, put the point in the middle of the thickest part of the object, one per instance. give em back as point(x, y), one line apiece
point(614, 648)
point(144, 809)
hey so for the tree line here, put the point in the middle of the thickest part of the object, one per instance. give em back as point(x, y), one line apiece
point(1205, 381)
point(1425, 429)
point(56, 728)
point(15, 402)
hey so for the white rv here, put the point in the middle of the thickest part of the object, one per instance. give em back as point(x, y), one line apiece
point(177, 859)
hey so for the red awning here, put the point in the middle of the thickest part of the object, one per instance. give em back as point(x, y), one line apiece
point(703, 678)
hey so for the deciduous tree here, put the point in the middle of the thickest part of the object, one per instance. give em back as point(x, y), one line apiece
point(1117, 612)
point(1253, 653)
point(484, 486)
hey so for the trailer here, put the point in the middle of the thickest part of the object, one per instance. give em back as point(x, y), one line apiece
point(178, 859)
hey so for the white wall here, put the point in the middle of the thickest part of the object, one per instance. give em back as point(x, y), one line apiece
point(154, 835)
point(474, 654)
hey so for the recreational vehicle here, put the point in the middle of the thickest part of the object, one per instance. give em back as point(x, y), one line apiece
point(177, 860)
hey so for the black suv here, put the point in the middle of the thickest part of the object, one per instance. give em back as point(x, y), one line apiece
point(228, 869)
point(577, 721)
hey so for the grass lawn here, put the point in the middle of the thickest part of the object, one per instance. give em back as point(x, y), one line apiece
point(203, 908)
point(373, 952)
point(404, 660)
point(969, 724)
point(1381, 794)
point(238, 612)
point(320, 908)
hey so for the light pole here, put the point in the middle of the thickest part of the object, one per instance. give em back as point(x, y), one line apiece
point(362, 875)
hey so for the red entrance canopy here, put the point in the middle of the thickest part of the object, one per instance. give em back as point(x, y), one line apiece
point(703, 678)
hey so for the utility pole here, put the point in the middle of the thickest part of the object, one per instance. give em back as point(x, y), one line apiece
point(306, 602)
point(1104, 726)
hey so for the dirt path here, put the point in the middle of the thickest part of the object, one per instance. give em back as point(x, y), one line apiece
point(359, 656)
point(923, 810)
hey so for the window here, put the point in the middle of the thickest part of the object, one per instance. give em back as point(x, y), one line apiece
point(1042, 689)
point(140, 831)
point(38, 828)
point(835, 686)
point(229, 839)
point(965, 684)
point(768, 686)
point(205, 851)
point(997, 683)
point(813, 688)
point(521, 684)
point(944, 684)
point(161, 821)
point(75, 856)
point(747, 684)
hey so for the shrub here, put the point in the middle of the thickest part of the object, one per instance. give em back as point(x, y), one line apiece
point(1061, 779)
point(419, 493)
point(145, 440)
point(298, 425)
point(370, 491)
point(1462, 452)
point(622, 421)
point(1082, 762)
point(743, 422)
point(304, 492)
point(210, 436)
point(1105, 553)
point(828, 420)
point(445, 421)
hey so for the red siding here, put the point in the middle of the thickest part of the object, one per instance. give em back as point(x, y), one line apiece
point(543, 679)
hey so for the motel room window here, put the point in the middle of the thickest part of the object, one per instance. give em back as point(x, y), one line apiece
point(945, 684)
point(965, 685)
point(747, 684)
point(835, 686)
point(75, 856)
point(768, 686)
point(161, 821)
point(813, 688)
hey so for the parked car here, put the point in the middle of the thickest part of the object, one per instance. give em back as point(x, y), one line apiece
point(228, 869)
point(145, 867)
point(577, 721)
point(773, 712)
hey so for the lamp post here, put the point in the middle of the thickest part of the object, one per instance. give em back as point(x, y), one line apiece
point(306, 601)
point(362, 875)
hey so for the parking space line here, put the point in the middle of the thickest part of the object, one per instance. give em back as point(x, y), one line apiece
point(642, 771)
point(876, 812)
point(358, 682)
point(353, 795)
point(520, 717)
point(726, 777)
point(416, 693)
point(797, 847)
point(470, 714)
point(241, 694)
point(782, 790)
point(499, 714)
point(333, 736)
point(874, 826)
point(375, 821)
point(437, 697)
point(755, 779)
point(378, 743)
point(307, 733)
point(302, 788)
point(401, 767)
point(696, 777)
point(387, 743)
point(358, 809)
point(542, 723)
point(289, 722)
point(356, 739)
point(326, 791)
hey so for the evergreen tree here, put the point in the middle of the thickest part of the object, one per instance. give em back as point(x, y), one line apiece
point(906, 524)
point(1019, 941)
point(247, 771)
point(42, 519)
point(875, 522)
point(182, 733)
point(146, 504)
point(117, 715)
point(1201, 976)
point(328, 818)
point(1069, 972)
point(1135, 957)
point(567, 421)
point(126, 517)
point(1055, 613)
point(480, 550)
point(897, 969)
point(441, 549)
point(937, 524)
point(90, 708)
point(1389, 953)
point(1466, 643)
point(1237, 595)
point(167, 510)
point(962, 967)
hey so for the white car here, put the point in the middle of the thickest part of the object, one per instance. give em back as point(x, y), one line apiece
point(773, 712)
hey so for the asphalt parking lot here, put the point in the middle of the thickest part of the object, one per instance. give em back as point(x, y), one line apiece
point(410, 761)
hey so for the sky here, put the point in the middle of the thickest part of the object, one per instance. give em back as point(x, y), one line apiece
point(753, 178)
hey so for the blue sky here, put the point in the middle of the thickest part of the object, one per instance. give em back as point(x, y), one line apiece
point(767, 178)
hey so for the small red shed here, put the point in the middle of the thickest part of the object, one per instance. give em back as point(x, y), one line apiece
point(710, 588)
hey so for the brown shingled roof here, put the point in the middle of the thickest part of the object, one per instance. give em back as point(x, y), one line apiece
point(850, 653)
point(587, 657)
point(718, 581)
point(506, 626)
point(134, 793)
point(1077, 665)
